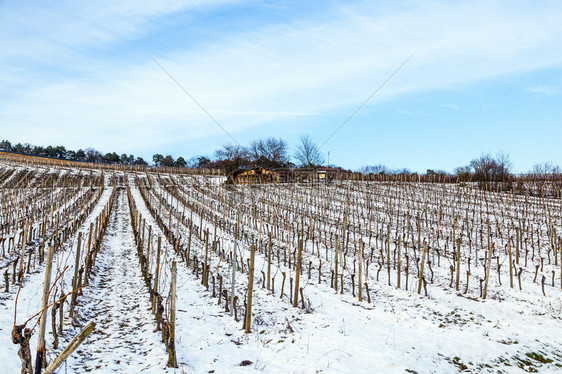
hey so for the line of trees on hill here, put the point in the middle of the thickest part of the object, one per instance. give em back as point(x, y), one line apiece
point(272, 153)
point(268, 153)
point(84, 155)
point(485, 168)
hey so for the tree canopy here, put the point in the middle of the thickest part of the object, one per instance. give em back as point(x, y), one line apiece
point(308, 153)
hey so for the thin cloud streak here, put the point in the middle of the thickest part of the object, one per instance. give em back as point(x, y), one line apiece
point(253, 113)
point(549, 91)
point(449, 106)
point(320, 70)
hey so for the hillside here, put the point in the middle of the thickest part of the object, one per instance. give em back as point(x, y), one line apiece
point(356, 277)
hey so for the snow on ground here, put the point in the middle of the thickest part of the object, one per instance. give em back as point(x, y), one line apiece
point(399, 331)
point(117, 300)
point(206, 338)
point(29, 299)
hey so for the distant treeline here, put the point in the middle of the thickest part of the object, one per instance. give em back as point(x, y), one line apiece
point(60, 152)
point(273, 153)
point(267, 153)
point(486, 168)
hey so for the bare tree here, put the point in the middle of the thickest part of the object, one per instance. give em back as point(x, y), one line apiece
point(180, 162)
point(269, 153)
point(375, 169)
point(539, 175)
point(485, 168)
point(93, 155)
point(231, 157)
point(157, 159)
point(542, 171)
point(167, 161)
point(504, 165)
point(556, 177)
point(464, 173)
point(231, 152)
point(308, 153)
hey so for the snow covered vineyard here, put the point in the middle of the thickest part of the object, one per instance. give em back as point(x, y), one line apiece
point(181, 273)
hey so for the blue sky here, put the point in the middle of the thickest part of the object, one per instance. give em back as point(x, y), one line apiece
point(486, 76)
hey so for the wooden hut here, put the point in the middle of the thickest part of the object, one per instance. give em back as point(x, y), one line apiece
point(312, 175)
point(255, 176)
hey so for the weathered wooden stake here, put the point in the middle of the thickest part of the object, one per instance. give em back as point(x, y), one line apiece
point(458, 267)
point(336, 265)
point(420, 283)
point(248, 317)
point(189, 243)
point(283, 285)
point(298, 274)
point(39, 358)
point(172, 360)
point(488, 266)
point(359, 282)
point(71, 347)
point(22, 269)
point(510, 263)
point(75, 278)
point(269, 264)
point(156, 276)
point(399, 262)
point(204, 278)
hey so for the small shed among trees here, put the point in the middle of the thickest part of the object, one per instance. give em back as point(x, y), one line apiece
point(254, 176)
point(312, 175)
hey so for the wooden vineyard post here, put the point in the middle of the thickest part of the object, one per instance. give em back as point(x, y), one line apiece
point(336, 265)
point(87, 264)
point(71, 347)
point(43, 232)
point(248, 317)
point(156, 276)
point(517, 246)
point(22, 269)
point(170, 218)
point(288, 248)
point(555, 247)
point(172, 360)
point(360, 283)
point(388, 253)
point(149, 240)
point(510, 263)
point(298, 273)
point(344, 225)
point(189, 243)
point(458, 266)
point(75, 278)
point(421, 268)
point(39, 358)
point(399, 263)
point(204, 278)
point(457, 252)
point(96, 239)
point(233, 280)
point(269, 264)
point(488, 266)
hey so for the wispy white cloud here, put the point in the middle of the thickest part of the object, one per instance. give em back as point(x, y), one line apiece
point(544, 90)
point(450, 106)
point(47, 29)
point(254, 113)
point(325, 63)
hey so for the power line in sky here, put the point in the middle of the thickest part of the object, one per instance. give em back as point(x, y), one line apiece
point(192, 98)
point(366, 101)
